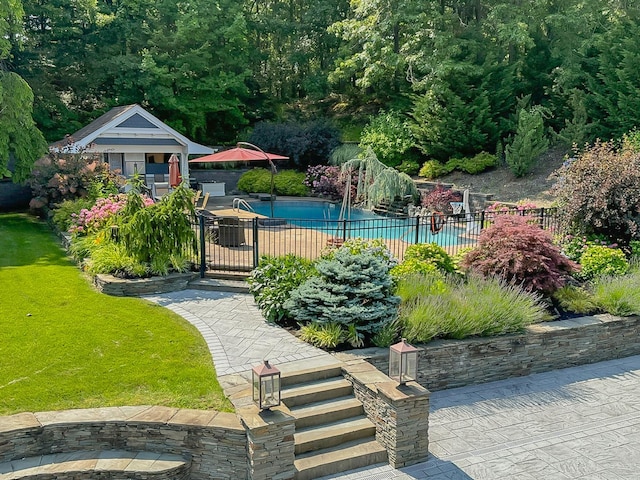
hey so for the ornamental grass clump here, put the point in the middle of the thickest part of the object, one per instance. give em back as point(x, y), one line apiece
point(459, 309)
point(618, 295)
point(520, 253)
point(353, 290)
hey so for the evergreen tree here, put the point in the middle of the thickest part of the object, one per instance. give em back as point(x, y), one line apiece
point(528, 143)
point(350, 289)
point(21, 143)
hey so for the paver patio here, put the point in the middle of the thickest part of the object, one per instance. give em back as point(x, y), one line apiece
point(577, 423)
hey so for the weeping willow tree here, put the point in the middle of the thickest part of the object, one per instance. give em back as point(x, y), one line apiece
point(377, 183)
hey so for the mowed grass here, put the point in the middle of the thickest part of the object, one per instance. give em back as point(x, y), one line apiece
point(64, 345)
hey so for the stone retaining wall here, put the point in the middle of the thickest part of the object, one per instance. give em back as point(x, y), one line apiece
point(134, 287)
point(214, 442)
point(543, 347)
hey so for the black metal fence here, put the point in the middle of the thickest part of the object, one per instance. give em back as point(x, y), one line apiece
point(232, 244)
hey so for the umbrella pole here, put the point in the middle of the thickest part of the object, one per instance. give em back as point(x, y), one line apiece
point(271, 194)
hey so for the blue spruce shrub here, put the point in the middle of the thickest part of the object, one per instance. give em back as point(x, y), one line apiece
point(353, 290)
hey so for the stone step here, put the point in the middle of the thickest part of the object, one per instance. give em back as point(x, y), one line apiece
point(348, 456)
point(333, 434)
point(311, 374)
point(327, 411)
point(219, 285)
point(80, 464)
point(315, 391)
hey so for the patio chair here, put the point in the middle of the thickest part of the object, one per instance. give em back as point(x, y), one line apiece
point(160, 189)
point(230, 232)
point(197, 197)
point(203, 205)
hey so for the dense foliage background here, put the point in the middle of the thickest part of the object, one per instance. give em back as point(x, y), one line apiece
point(460, 72)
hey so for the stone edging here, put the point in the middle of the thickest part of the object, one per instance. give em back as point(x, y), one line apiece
point(213, 442)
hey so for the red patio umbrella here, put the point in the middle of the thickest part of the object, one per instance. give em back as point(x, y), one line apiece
point(238, 154)
point(174, 171)
point(241, 154)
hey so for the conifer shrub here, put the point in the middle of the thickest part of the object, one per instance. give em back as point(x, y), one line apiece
point(598, 192)
point(478, 163)
point(528, 143)
point(432, 169)
point(353, 290)
point(273, 280)
point(520, 253)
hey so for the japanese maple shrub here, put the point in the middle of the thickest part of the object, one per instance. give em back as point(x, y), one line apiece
point(352, 290)
point(521, 253)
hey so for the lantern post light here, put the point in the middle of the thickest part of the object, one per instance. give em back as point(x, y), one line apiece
point(403, 362)
point(266, 386)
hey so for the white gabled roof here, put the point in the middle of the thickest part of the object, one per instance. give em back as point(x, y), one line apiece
point(141, 121)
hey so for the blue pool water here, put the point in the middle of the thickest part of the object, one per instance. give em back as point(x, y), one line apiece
point(324, 216)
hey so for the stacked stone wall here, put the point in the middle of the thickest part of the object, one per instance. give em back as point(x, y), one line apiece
point(541, 348)
point(213, 442)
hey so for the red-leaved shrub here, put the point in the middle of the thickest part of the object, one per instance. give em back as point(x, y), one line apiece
point(599, 192)
point(440, 198)
point(519, 252)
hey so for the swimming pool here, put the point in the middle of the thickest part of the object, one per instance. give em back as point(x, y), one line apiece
point(324, 216)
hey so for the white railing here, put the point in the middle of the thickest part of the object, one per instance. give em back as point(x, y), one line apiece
point(240, 202)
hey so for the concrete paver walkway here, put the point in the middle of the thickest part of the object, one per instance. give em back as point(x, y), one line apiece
point(235, 330)
point(577, 423)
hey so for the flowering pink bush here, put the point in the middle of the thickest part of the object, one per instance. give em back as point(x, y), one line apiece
point(100, 215)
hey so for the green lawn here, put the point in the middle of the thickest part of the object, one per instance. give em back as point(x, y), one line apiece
point(64, 345)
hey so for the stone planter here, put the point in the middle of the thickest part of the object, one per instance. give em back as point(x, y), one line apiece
point(134, 287)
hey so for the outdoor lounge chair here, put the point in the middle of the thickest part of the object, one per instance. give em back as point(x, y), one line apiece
point(230, 232)
point(203, 204)
point(160, 189)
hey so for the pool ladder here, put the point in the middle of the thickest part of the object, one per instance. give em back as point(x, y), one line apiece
point(240, 202)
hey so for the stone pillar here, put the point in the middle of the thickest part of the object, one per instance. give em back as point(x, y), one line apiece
point(270, 444)
point(405, 434)
point(399, 412)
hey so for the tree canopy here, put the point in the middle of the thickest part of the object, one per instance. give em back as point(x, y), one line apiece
point(454, 69)
point(21, 143)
